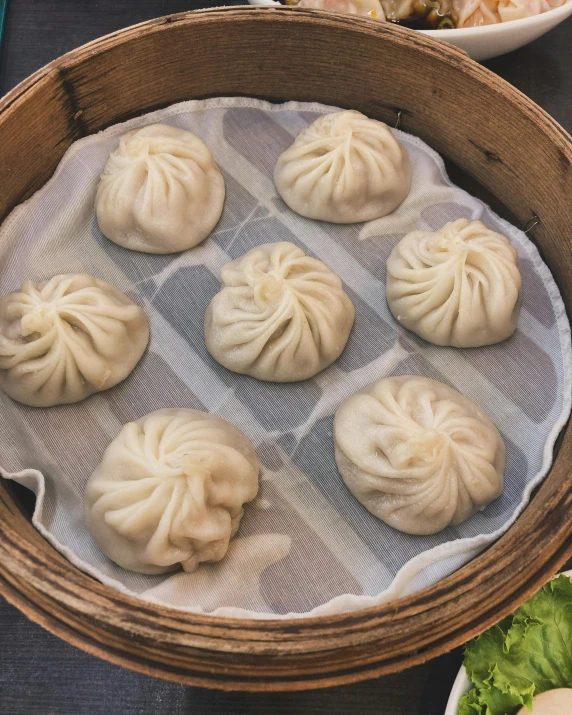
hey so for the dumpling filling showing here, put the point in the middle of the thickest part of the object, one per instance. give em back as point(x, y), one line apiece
point(435, 14)
point(64, 339)
point(170, 490)
point(417, 454)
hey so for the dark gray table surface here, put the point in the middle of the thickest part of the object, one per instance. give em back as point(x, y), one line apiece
point(39, 674)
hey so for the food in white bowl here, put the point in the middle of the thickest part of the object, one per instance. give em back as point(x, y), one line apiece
point(510, 26)
point(435, 14)
point(366, 8)
point(523, 664)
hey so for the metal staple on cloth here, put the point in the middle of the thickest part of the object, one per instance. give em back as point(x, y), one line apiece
point(532, 222)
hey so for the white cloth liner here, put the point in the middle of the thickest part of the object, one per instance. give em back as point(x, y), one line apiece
point(305, 547)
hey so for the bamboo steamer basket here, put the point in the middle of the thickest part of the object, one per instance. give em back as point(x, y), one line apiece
point(497, 135)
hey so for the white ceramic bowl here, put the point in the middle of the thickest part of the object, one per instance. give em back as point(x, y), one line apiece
point(461, 686)
point(462, 683)
point(482, 43)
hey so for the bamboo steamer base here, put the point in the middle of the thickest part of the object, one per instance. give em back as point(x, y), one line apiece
point(466, 113)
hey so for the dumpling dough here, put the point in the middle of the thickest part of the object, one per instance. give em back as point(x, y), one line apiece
point(459, 286)
point(64, 339)
point(170, 490)
point(160, 192)
point(417, 454)
point(552, 702)
point(281, 316)
point(344, 168)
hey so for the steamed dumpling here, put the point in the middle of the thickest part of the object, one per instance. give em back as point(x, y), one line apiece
point(344, 168)
point(64, 339)
point(160, 192)
point(417, 454)
point(459, 286)
point(281, 316)
point(170, 490)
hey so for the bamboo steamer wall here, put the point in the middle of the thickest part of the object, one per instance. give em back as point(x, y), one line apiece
point(462, 110)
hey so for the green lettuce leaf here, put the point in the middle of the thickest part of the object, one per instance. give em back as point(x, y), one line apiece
point(523, 655)
point(479, 702)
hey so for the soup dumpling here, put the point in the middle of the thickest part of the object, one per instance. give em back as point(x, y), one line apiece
point(417, 454)
point(280, 316)
point(160, 192)
point(344, 168)
point(169, 491)
point(459, 286)
point(63, 339)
